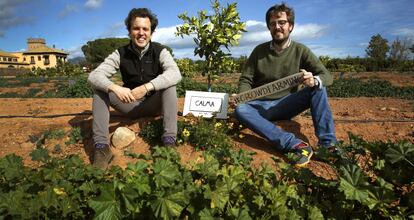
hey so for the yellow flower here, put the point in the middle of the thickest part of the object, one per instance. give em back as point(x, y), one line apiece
point(241, 136)
point(230, 125)
point(198, 182)
point(59, 191)
point(186, 133)
point(217, 125)
point(240, 126)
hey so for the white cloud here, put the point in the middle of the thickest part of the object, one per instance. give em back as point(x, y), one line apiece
point(75, 52)
point(308, 31)
point(404, 32)
point(167, 36)
point(325, 50)
point(92, 4)
point(69, 8)
point(257, 33)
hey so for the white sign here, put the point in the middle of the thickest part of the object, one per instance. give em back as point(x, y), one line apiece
point(206, 104)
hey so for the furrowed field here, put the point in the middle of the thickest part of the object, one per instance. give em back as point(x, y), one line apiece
point(218, 170)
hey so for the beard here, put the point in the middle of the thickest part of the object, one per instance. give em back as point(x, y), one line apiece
point(279, 40)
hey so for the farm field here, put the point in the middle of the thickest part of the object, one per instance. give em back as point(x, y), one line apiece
point(219, 169)
point(22, 120)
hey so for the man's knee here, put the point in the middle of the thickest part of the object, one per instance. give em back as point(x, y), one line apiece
point(241, 110)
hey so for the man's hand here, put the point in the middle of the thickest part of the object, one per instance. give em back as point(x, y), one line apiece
point(308, 78)
point(139, 92)
point(232, 103)
point(123, 93)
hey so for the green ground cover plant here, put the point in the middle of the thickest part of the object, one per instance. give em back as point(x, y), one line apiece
point(221, 185)
point(347, 88)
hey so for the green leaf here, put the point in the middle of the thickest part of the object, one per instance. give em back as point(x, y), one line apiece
point(207, 214)
point(12, 167)
point(40, 154)
point(379, 197)
point(353, 184)
point(399, 152)
point(241, 213)
point(105, 205)
point(169, 206)
point(220, 196)
point(314, 213)
point(166, 173)
point(12, 203)
point(129, 195)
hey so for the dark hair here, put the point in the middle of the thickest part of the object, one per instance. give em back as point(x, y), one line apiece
point(141, 13)
point(283, 7)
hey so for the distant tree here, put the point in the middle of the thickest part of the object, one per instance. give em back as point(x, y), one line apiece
point(325, 60)
point(97, 50)
point(400, 50)
point(169, 49)
point(186, 66)
point(412, 48)
point(377, 48)
point(213, 32)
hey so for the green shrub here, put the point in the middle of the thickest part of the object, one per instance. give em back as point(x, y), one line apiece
point(75, 88)
point(372, 88)
point(75, 135)
point(199, 132)
point(190, 84)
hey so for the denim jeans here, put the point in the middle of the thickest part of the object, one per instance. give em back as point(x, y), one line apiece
point(258, 115)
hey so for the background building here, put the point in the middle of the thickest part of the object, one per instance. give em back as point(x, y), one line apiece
point(38, 55)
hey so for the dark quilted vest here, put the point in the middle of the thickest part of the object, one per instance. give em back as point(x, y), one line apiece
point(136, 71)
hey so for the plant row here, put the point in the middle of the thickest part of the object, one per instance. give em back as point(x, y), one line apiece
point(374, 180)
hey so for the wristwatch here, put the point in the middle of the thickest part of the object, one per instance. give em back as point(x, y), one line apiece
point(316, 82)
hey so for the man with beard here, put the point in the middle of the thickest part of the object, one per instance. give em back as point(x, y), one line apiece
point(149, 74)
point(277, 59)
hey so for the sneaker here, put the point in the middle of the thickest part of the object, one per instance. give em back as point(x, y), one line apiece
point(102, 156)
point(303, 153)
point(169, 141)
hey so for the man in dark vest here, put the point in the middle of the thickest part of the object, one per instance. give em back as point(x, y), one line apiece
point(149, 75)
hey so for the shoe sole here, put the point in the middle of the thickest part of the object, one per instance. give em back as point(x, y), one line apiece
point(304, 164)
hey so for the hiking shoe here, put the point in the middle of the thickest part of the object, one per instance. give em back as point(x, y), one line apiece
point(303, 153)
point(169, 141)
point(102, 156)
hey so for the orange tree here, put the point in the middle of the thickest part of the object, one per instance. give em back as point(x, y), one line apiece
point(222, 28)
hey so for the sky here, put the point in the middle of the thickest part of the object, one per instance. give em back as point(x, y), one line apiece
point(334, 28)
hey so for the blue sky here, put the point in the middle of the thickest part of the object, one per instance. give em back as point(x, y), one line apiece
point(335, 28)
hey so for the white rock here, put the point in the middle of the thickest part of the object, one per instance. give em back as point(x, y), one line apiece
point(122, 137)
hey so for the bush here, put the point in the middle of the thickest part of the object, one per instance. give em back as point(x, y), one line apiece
point(75, 88)
point(190, 84)
point(372, 88)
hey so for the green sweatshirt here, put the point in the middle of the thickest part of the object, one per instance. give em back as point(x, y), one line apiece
point(265, 65)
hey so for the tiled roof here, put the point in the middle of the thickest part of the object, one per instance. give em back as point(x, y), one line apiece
point(45, 50)
point(6, 54)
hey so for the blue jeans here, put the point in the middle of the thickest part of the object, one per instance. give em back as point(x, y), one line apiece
point(258, 115)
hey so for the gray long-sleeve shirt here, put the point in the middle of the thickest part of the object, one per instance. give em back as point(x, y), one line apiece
point(99, 77)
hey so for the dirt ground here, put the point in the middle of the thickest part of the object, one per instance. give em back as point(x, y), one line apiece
point(22, 121)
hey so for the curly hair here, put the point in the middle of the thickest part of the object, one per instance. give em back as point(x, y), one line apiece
point(283, 7)
point(141, 13)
